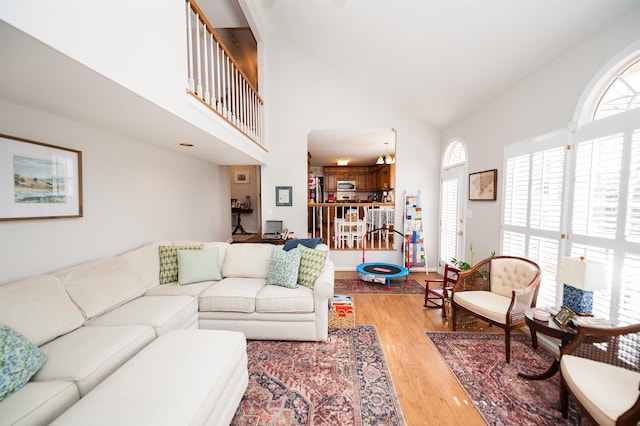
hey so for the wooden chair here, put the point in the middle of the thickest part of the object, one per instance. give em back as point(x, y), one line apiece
point(498, 290)
point(600, 368)
point(434, 294)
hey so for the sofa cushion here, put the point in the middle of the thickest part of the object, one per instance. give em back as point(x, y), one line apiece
point(247, 260)
point(89, 354)
point(174, 289)
point(232, 295)
point(19, 361)
point(145, 262)
point(198, 265)
point(307, 242)
point(169, 261)
point(284, 300)
point(39, 308)
point(160, 312)
point(186, 377)
point(486, 303)
point(311, 263)
point(283, 270)
point(99, 286)
point(606, 390)
point(222, 250)
point(38, 403)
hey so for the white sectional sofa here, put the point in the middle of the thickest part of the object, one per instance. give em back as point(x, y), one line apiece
point(109, 330)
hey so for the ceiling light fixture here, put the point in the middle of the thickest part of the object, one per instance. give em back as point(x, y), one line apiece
point(343, 161)
point(386, 158)
point(186, 144)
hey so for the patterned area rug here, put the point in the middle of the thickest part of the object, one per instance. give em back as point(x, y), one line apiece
point(343, 381)
point(501, 396)
point(398, 286)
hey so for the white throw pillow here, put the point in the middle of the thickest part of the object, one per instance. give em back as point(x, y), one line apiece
point(195, 266)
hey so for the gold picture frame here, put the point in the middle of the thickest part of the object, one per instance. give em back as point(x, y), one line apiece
point(563, 316)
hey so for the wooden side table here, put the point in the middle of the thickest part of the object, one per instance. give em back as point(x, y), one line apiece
point(551, 329)
point(239, 212)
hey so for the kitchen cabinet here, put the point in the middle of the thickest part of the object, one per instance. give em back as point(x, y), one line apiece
point(330, 184)
point(362, 181)
point(386, 177)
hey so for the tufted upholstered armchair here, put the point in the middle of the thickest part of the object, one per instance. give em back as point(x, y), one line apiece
point(600, 368)
point(498, 290)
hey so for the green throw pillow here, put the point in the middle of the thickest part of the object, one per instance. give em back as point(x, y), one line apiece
point(19, 361)
point(311, 263)
point(169, 262)
point(195, 266)
point(284, 267)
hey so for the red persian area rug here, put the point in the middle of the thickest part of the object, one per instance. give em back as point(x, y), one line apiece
point(398, 286)
point(499, 394)
point(343, 381)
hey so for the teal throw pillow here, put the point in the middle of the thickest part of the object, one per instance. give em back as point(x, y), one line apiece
point(311, 264)
point(195, 266)
point(283, 270)
point(19, 361)
point(169, 262)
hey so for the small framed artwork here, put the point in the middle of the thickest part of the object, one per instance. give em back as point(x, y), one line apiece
point(482, 185)
point(241, 176)
point(563, 316)
point(283, 196)
point(38, 180)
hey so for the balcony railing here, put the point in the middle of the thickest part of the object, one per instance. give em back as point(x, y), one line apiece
point(216, 80)
point(349, 226)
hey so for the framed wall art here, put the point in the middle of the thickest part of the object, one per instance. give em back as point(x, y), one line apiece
point(482, 185)
point(38, 180)
point(563, 316)
point(241, 176)
point(283, 196)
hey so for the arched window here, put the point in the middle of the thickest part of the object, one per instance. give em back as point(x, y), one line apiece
point(455, 154)
point(576, 192)
point(622, 94)
point(452, 203)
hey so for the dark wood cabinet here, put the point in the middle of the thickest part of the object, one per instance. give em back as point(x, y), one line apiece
point(330, 182)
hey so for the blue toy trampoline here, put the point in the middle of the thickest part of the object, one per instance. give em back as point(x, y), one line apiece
point(379, 271)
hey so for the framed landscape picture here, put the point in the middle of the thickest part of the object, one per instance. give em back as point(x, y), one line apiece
point(241, 177)
point(482, 185)
point(38, 180)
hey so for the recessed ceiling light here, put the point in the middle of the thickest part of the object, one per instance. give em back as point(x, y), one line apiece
point(186, 144)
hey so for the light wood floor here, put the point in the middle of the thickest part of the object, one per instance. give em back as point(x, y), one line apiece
point(429, 393)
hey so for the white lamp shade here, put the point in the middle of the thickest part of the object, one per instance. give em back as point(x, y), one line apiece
point(582, 273)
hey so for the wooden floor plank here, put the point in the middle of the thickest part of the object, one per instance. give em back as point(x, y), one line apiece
point(429, 393)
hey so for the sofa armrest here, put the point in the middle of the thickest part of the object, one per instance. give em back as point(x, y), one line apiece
point(323, 287)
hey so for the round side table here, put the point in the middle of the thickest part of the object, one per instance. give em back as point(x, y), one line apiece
point(551, 329)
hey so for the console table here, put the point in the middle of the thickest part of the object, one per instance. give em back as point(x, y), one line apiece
point(240, 211)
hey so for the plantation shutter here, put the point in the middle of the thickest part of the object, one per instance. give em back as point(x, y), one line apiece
point(532, 212)
point(605, 222)
point(448, 220)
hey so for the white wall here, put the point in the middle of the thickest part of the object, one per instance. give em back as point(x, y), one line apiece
point(139, 44)
point(541, 103)
point(133, 194)
point(304, 94)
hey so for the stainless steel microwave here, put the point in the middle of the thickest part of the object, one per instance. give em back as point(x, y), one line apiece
point(346, 185)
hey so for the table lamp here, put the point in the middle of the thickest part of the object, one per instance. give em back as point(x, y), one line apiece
point(580, 278)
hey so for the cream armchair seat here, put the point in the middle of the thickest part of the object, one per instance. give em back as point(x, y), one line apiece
point(498, 290)
point(600, 368)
